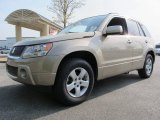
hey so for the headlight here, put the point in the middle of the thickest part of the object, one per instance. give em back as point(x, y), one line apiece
point(37, 50)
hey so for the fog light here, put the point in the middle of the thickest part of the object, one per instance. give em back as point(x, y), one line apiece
point(23, 73)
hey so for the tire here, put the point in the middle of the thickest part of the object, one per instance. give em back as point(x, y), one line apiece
point(147, 70)
point(70, 74)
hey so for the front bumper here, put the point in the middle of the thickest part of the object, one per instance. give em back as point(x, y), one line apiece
point(34, 71)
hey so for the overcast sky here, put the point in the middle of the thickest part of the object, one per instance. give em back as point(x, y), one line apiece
point(145, 11)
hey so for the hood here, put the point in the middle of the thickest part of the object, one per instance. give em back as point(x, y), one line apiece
point(56, 38)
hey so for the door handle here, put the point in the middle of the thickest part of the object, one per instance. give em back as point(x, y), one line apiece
point(129, 41)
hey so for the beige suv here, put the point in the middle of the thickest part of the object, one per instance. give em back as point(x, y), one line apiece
point(91, 49)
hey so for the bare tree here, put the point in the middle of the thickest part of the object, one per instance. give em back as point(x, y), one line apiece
point(63, 9)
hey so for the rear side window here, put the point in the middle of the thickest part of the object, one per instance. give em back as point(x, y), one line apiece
point(132, 28)
point(141, 31)
point(146, 32)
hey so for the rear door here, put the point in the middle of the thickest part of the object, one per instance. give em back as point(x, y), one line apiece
point(138, 43)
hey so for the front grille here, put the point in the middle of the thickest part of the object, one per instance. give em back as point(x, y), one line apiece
point(12, 70)
point(17, 51)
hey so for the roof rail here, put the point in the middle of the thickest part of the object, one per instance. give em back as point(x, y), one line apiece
point(114, 13)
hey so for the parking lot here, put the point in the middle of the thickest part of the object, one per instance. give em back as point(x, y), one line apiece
point(124, 97)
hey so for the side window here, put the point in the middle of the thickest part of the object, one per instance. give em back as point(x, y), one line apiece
point(132, 28)
point(146, 32)
point(140, 30)
point(119, 21)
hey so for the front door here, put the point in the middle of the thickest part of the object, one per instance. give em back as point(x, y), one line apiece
point(117, 51)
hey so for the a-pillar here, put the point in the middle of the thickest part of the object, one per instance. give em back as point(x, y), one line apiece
point(45, 30)
point(18, 33)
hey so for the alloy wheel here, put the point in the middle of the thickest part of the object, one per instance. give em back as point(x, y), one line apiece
point(77, 82)
point(149, 66)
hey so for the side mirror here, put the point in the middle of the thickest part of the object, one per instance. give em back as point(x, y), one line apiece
point(117, 29)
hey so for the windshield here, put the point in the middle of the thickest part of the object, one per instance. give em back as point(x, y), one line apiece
point(86, 25)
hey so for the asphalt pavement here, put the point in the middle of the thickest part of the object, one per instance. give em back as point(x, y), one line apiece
point(124, 97)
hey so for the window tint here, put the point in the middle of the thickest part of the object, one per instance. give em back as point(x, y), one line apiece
point(132, 28)
point(147, 34)
point(141, 31)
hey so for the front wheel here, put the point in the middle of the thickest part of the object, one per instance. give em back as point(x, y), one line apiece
point(146, 72)
point(74, 82)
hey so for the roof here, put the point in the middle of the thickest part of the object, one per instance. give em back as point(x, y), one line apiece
point(29, 19)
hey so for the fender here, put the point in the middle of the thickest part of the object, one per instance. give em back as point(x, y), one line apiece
point(66, 47)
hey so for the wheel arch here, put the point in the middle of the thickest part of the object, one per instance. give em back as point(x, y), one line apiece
point(151, 52)
point(85, 55)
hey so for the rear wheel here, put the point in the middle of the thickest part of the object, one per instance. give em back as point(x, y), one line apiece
point(146, 72)
point(74, 82)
